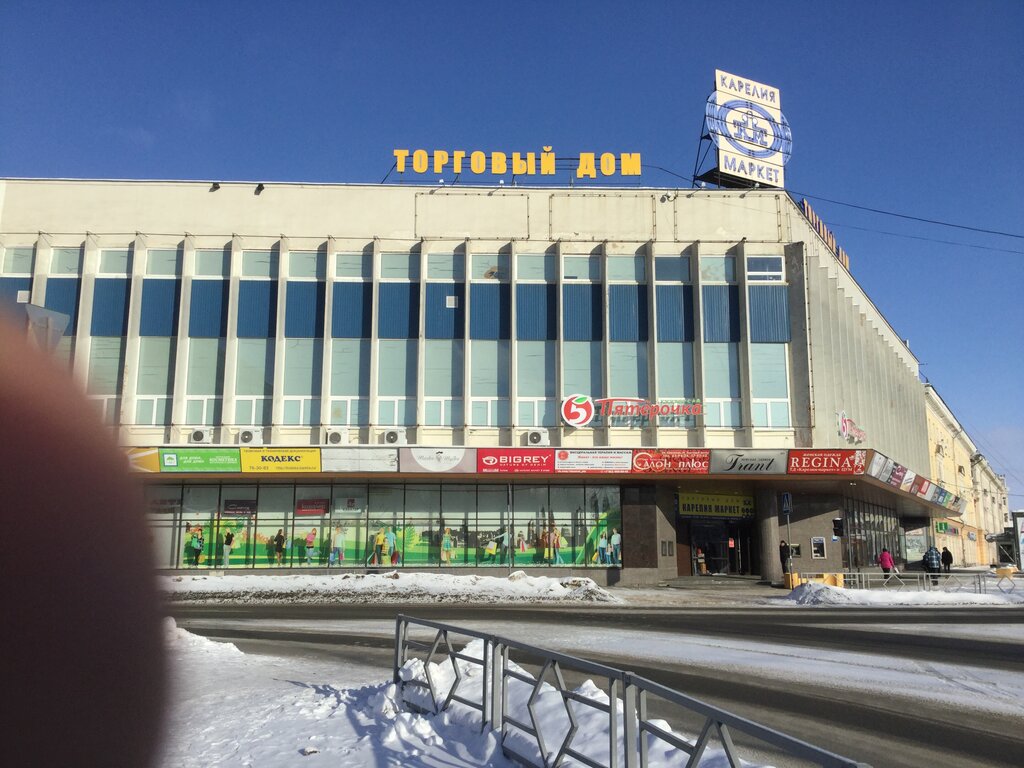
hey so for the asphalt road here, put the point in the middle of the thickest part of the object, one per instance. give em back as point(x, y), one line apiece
point(878, 729)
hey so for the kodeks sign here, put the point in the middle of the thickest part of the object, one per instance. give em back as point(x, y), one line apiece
point(825, 462)
point(524, 460)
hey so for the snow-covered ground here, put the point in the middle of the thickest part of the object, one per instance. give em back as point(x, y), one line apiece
point(241, 709)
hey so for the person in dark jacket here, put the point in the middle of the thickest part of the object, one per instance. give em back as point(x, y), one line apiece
point(947, 559)
point(784, 555)
point(932, 563)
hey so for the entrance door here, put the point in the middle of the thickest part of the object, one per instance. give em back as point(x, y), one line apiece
point(725, 544)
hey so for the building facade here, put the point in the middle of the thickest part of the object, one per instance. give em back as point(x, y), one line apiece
point(644, 380)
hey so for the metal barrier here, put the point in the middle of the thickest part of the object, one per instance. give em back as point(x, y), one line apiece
point(915, 581)
point(627, 705)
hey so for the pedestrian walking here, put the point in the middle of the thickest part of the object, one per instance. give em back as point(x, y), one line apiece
point(279, 546)
point(885, 561)
point(947, 559)
point(229, 539)
point(932, 564)
point(784, 553)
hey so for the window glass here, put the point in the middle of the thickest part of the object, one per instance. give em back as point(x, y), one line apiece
point(537, 267)
point(400, 265)
point(255, 368)
point(446, 266)
point(156, 365)
point(768, 370)
point(582, 268)
point(350, 367)
point(675, 369)
point(536, 368)
point(764, 268)
point(779, 414)
point(106, 361)
point(627, 368)
point(18, 261)
point(303, 366)
point(396, 367)
point(198, 511)
point(355, 265)
point(581, 368)
point(66, 261)
point(530, 517)
point(442, 367)
point(490, 266)
point(213, 262)
point(721, 370)
point(205, 367)
point(718, 269)
point(163, 261)
point(630, 268)
point(259, 263)
point(115, 262)
point(307, 264)
point(490, 367)
point(672, 268)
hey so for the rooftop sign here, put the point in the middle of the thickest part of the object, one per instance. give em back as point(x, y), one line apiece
point(477, 162)
point(746, 123)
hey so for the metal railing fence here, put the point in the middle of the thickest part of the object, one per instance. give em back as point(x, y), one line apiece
point(978, 583)
point(627, 707)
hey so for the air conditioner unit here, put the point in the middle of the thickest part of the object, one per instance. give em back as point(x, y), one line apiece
point(538, 437)
point(394, 437)
point(200, 435)
point(250, 436)
point(335, 435)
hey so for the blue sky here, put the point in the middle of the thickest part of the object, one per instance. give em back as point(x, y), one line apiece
point(912, 107)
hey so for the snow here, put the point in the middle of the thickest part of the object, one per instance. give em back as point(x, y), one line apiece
point(822, 594)
point(394, 587)
point(238, 709)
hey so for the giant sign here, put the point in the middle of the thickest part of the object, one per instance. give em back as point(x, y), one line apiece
point(745, 121)
point(744, 461)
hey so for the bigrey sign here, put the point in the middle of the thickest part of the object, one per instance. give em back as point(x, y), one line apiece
point(739, 461)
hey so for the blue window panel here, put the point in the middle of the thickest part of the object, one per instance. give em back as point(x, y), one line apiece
point(62, 296)
point(675, 313)
point(159, 308)
point(398, 312)
point(110, 307)
point(627, 312)
point(769, 313)
point(721, 313)
point(304, 310)
point(441, 321)
point(208, 309)
point(257, 309)
point(352, 311)
point(582, 313)
point(490, 313)
point(536, 312)
point(11, 286)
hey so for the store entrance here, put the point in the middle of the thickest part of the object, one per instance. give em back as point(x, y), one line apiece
point(722, 546)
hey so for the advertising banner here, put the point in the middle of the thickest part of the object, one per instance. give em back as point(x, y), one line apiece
point(359, 459)
point(461, 460)
point(280, 460)
point(608, 460)
point(239, 507)
point(311, 506)
point(684, 461)
point(715, 505)
point(143, 459)
point(826, 462)
point(199, 460)
point(515, 460)
point(734, 461)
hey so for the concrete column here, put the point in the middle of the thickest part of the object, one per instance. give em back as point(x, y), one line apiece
point(766, 510)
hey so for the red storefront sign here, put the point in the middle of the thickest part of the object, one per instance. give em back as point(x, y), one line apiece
point(515, 460)
point(825, 462)
point(311, 507)
point(689, 461)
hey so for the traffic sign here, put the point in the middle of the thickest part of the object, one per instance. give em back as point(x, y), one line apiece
point(787, 502)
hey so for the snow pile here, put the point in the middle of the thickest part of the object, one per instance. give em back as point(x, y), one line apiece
point(393, 587)
point(237, 709)
point(550, 716)
point(822, 594)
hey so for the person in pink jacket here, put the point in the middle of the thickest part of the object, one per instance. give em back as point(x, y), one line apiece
point(885, 560)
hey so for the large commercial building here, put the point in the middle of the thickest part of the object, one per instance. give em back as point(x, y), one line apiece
point(495, 374)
